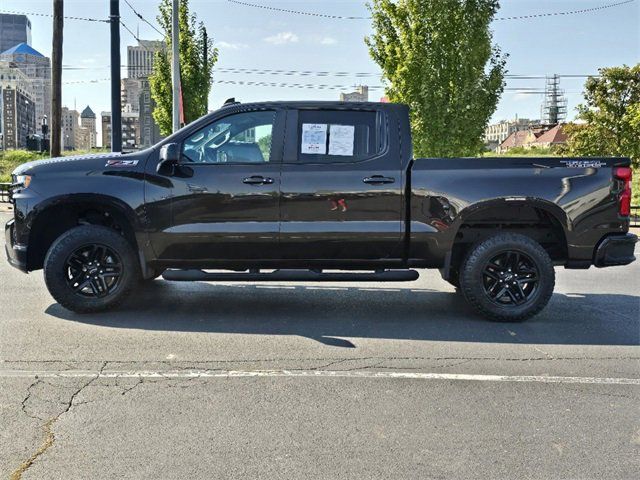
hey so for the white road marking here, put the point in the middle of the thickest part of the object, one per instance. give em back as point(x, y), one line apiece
point(314, 374)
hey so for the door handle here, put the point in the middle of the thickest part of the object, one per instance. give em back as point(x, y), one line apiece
point(258, 180)
point(196, 188)
point(378, 180)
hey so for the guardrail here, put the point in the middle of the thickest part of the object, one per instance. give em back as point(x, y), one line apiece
point(4, 192)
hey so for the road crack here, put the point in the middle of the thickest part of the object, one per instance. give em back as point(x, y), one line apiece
point(47, 427)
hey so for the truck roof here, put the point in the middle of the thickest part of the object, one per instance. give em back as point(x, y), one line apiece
point(311, 104)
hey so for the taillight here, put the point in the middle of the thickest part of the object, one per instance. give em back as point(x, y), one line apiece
point(624, 174)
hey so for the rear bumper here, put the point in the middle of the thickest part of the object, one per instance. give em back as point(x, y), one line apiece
point(615, 250)
point(16, 253)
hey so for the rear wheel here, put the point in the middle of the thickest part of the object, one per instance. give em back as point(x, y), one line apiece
point(90, 268)
point(508, 277)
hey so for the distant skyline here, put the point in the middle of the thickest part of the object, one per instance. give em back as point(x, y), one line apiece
point(256, 38)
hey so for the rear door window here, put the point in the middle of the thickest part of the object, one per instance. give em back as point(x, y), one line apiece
point(331, 136)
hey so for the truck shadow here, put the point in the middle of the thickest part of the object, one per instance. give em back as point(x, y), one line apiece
point(332, 314)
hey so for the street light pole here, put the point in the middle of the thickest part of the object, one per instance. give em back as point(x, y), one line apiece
point(175, 65)
point(116, 117)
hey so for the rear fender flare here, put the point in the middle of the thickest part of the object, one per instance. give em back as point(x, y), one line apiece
point(511, 202)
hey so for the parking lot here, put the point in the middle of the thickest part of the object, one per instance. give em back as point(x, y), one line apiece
point(202, 380)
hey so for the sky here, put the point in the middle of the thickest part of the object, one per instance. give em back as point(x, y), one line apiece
point(257, 38)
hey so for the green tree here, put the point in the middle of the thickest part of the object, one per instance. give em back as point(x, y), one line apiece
point(611, 116)
point(265, 145)
point(195, 76)
point(437, 56)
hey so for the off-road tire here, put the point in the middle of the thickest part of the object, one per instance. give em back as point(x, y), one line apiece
point(56, 276)
point(472, 279)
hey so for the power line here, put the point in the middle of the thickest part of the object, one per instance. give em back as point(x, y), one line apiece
point(313, 86)
point(297, 12)
point(341, 17)
point(140, 42)
point(572, 12)
point(131, 32)
point(315, 73)
point(39, 14)
point(142, 18)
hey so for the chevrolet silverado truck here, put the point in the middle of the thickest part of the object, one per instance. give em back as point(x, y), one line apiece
point(315, 191)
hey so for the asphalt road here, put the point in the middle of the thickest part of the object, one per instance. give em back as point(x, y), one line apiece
point(320, 381)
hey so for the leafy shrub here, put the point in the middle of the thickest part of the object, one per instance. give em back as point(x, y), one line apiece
point(10, 159)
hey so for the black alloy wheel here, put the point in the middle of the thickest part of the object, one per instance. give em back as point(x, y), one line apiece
point(94, 270)
point(91, 268)
point(510, 278)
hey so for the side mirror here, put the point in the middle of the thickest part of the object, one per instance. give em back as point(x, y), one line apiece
point(169, 157)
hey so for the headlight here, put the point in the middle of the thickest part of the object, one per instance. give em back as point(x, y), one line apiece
point(22, 181)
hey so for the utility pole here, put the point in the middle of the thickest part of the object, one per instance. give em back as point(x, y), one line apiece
point(116, 116)
point(56, 78)
point(175, 65)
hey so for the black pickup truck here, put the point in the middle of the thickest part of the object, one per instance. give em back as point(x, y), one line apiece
point(315, 191)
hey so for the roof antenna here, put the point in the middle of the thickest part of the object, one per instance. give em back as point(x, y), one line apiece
point(230, 101)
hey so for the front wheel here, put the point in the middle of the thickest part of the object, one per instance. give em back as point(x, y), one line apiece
point(90, 268)
point(508, 277)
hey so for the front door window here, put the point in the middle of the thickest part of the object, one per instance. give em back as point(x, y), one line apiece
point(239, 138)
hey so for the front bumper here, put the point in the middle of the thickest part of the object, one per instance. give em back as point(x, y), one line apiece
point(615, 250)
point(16, 253)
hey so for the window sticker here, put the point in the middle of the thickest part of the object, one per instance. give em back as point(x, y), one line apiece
point(341, 140)
point(314, 138)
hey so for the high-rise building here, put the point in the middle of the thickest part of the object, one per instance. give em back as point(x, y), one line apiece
point(18, 117)
point(130, 130)
point(140, 57)
point(38, 68)
point(70, 129)
point(14, 29)
point(130, 94)
point(361, 94)
point(149, 130)
point(88, 125)
point(12, 77)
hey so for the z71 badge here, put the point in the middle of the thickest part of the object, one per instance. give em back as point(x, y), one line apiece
point(582, 163)
point(121, 163)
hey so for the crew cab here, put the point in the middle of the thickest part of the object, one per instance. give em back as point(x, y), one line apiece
point(315, 191)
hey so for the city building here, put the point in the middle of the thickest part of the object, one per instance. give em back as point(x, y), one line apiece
point(541, 137)
point(361, 94)
point(88, 128)
point(12, 77)
point(498, 132)
point(519, 138)
point(14, 29)
point(130, 94)
point(70, 129)
point(149, 130)
point(130, 130)
point(551, 138)
point(18, 117)
point(37, 68)
point(140, 57)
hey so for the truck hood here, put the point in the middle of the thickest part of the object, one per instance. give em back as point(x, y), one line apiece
point(72, 163)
